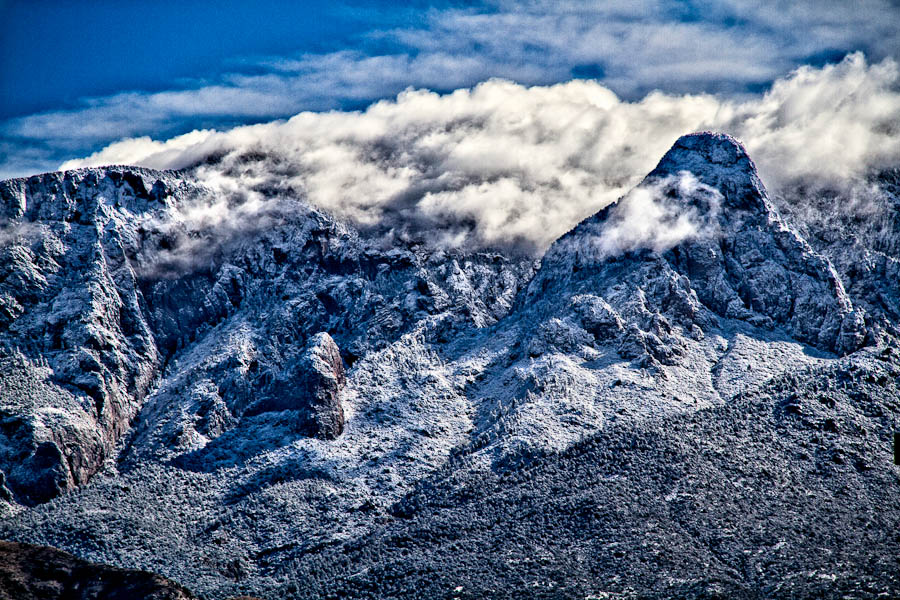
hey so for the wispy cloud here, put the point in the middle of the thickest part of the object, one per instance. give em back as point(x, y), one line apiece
point(651, 216)
point(633, 48)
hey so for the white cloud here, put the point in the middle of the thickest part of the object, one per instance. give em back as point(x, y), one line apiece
point(649, 217)
point(510, 165)
point(833, 122)
point(132, 151)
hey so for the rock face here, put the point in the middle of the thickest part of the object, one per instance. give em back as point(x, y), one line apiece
point(664, 406)
point(103, 282)
point(77, 355)
point(758, 266)
point(30, 572)
point(312, 387)
point(861, 239)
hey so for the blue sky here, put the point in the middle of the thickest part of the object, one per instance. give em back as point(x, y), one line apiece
point(76, 76)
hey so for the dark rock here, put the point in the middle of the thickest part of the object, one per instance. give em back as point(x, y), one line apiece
point(30, 572)
point(312, 386)
point(5, 493)
point(44, 475)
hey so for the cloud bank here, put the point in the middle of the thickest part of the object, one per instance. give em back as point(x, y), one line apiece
point(632, 48)
point(502, 164)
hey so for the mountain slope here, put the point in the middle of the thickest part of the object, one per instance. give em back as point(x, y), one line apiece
point(783, 492)
point(78, 355)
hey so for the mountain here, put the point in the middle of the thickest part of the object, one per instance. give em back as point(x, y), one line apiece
point(691, 394)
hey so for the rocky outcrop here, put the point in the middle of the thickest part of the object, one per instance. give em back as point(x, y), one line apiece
point(860, 235)
point(312, 387)
point(238, 327)
point(104, 283)
point(757, 268)
point(30, 572)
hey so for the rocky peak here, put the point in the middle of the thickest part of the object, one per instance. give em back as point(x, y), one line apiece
point(698, 241)
point(720, 161)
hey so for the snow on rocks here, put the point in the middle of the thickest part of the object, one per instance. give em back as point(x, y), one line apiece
point(79, 354)
point(742, 263)
point(288, 388)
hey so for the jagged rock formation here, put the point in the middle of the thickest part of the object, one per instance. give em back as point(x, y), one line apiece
point(744, 264)
point(861, 237)
point(312, 387)
point(94, 312)
point(30, 572)
point(78, 355)
point(290, 392)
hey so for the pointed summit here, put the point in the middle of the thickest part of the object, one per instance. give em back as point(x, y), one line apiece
point(720, 161)
point(715, 148)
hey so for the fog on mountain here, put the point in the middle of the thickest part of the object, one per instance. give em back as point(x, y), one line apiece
point(503, 165)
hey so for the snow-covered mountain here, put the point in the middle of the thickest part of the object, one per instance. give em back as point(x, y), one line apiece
point(692, 393)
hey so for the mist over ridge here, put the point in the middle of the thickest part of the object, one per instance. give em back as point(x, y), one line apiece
point(502, 164)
